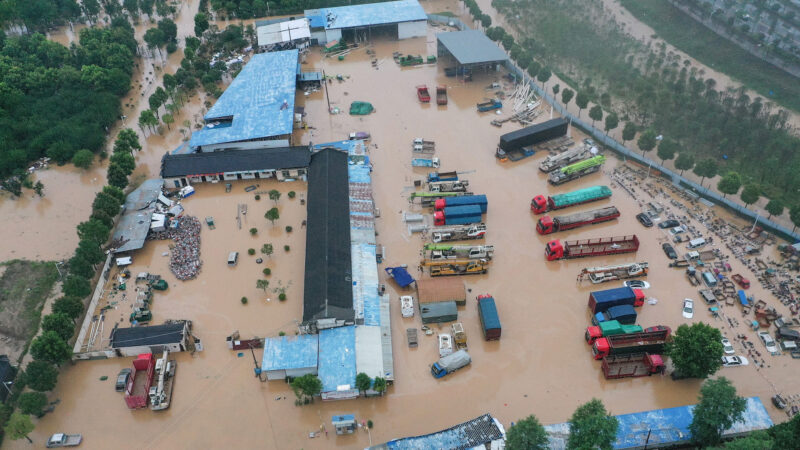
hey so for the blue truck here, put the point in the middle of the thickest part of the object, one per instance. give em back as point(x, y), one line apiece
point(490, 105)
point(463, 200)
point(624, 314)
point(601, 301)
point(450, 363)
point(442, 176)
point(490, 321)
point(458, 215)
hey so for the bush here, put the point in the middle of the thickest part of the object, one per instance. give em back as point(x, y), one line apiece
point(282, 296)
point(286, 248)
point(258, 197)
point(288, 228)
point(369, 423)
point(83, 159)
point(32, 403)
point(291, 194)
point(253, 231)
point(281, 333)
point(251, 251)
point(267, 271)
point(244, 300)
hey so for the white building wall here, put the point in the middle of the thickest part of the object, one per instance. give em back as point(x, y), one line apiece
point(273, 375)
point(320, 36)
point(246, 145)
point(333, 35)
point(407, 30)
point(302, 371)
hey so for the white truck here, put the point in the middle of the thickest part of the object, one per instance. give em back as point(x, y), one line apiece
point(448, 186)
point(458, 233)
point(553, 162)
point(443, 251)
point(420, 145)
point(407, 306)
point(161, 392)
point(64, 440)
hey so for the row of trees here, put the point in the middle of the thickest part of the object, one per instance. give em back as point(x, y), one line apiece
point(164, 34)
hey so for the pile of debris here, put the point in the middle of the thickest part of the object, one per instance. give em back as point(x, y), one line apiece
point(184, 260)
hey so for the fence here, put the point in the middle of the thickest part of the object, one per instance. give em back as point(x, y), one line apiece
point(626, 153)
point(87, 321)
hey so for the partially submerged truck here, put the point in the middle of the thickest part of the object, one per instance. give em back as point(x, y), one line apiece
point(490, 321)
point(456, 267)
point(458, 215)
point(625, 344)
point(450, 251)
point(632, 365)
point(624, 314)
point(573, 155)
point(602, 274)
point(59, 440)
point(458, 233)
point(608, 328)
point(462, 200)
point(555, 249)
point(138, 387)
point(161, 393)
point(576, 170)
point(547, 224)
point(516, 145)
point(600, 301)
point(541, 204)
point(450, 363)
point(448, 186)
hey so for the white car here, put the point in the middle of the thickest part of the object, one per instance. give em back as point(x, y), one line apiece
point(688, 308)
point(727, 347)
point(637, 284)
point(734, 361)
point(768, 342)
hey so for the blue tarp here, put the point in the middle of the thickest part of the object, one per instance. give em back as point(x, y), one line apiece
point(337, 357)
point(400, 275)
point(287, 352)
point(743, 298)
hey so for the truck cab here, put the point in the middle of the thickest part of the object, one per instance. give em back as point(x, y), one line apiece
point(539, 204)
point(545, 225)
point(554, 250)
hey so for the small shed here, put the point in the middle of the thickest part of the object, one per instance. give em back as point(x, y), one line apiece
point(438, 312)
point(445, 289)
point(344, 424)
point(174, 336)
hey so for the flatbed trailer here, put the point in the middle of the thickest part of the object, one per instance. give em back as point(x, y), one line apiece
point(547, 224)
point(428, 199)
point(573, 155)
point(555, 249)
point(448, 186)
point(604, 274)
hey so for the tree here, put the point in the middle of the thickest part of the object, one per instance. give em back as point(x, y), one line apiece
point(267, 249)
point(155, 102)
point(729, 184)
point(719, 408)
point(169, 29)
point(750, 194)
point(262, 284)
point(93, 230)
point(129, 137)
point(147, 118)
point(774, 207)
point(667, 149)
point(60, 323)
point(592, 427)
point(786, 434)
point(596, 113)
point(486, 21)
point(363, 382)
point(18, 427)
point(106, 203)
point(272, 215)
point(83, 159)
point(706, 168)
point(41, 376)
point(117, 177)
point(168, 119)
point(556, 89)
point(612, 121)
point(125, 161)
point(49, 346)
point(379, 385)
point(274, 195)
point(544, 75)
point(566, 96)
point(507, 41)
point(76, 287)
point(115, 192)
point(647, 141)
point(684, 161)
point(306, 387)
point(628, 132)
point(527, 434)
point(32, 403)
point(582, 101)
point(79, 266)
point(756, 440)
point(794, 215)
point(534, 68)
point(696, 350)
point(90, 251)
point(154, 38)
point(71, 306)
point(200, 24)
point(91, 8)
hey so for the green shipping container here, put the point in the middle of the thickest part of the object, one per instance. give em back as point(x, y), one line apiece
point(580, 196)
point(613, 327)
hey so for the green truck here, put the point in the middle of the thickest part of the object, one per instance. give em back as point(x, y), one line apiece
point(541, 204)
point(609, 328)
point(576, 170)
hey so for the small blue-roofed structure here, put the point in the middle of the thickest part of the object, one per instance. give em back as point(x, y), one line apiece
point(666, 427)
point(476, 433)
point(256, 110)
point(290, 356)
point(337, 363)
point(344, 424)
point(401, 19)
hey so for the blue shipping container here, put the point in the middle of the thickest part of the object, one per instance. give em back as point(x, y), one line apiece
point(601, 301)
point(462, 211)
point(463, 220)
point(490, 321)
point(625, 314)
point(463, 200)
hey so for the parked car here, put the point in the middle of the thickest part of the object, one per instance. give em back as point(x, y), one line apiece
point(671, 223)
point(122, 379)
point(727, 347)
point(677, 230)
point(688, 308)
point(669, 251)
point(734, 361)
point(636, 284)
point(644, 220)
point(772, 347)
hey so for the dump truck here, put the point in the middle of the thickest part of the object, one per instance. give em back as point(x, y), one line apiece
point(625, 344)
point(458, 233)
point(624, 314)
point(64, 440)
point(425, 162)
point(448, 251)
point(547, 224)
point(573, 155)
point(462, 200)
point(490, 321)
point(609, 328)
point(138, 386)
point(459, 335)
point(441, 95)
point(490, 105)
point(448, 186)
point(450, 363)
point(555, 250)
point(600, 301)
point(576, 170)
point(516, 144)
point(541, 204)
point(602, 274)
point(458, 215)
point(422, 94)
point(442, 176)
point(456, 267)
point(632, 365)
point(161, 393)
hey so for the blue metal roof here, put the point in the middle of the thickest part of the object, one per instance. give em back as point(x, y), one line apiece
point(290, 352)
point(471, 434)
point(343, 418)
point(666, 427)
point(260, 100)
point(366, 15)
point(337, 357)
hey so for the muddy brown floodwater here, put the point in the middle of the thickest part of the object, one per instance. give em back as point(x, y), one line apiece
point(541, 365)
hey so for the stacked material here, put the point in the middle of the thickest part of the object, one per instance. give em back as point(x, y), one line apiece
point(184, 260)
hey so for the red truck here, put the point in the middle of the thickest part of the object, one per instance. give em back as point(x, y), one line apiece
point(139, 382)
point(609, 328)
point(541, 204)
point(422, 94)
point(624, 344)
point(547, 224)
point(582, 248)
point(632, 365)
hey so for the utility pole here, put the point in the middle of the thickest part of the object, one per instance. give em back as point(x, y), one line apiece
point(327, 97)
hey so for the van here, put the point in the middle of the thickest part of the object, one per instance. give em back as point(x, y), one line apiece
point(233, 258)
point(697, 243)
point(709, 279)
point(789, 345)
point(708, 296)
point(788, 333)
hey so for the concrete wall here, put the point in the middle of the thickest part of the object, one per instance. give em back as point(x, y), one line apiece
point(87, 321)
point(332, 35)
point(139, 349)
point(320, 36)
point(246, 145)
point(412, 29)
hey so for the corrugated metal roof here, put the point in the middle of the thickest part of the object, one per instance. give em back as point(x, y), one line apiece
point(471, 47)
point(260, 100)
point(226, 161)
point(168, 333)
point(134, 224)
point(366, 15)
point(471, 434)
point(290, 352)
point(443, 289)
point(337, 358)
point(286, 31)
point(386, 339)
point(369, 354)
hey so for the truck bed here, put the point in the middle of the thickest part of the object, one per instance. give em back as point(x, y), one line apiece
point(608, 213)
point(624, 366)
point(140, 385)
point(587, 247)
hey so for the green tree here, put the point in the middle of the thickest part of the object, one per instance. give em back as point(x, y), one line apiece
point(774, 207)
point(49, 346)
point(794, 215)
point(666, 149)
point(706, 168)
point(379, 385)
point(556, 89)
point(168, 119)
point(41, 376)
point(154, 38)
point(76, 287)
point(306, 387)
point(93, 230)
point(612, 121)
point(169, 29)
point(200, 24)
point(117, 177)
point(756, 440)
point(274, 195)
point(106, 203)
point(19, 426)
point(581, 101)
point(272, 215)
point(534, 68)
point(729, 184)
point(647, 141)
point(363, 382)
point(684, 161)
point(115, 192)
point(267, 249)
point(566, 96)
point(125, 161)
point(32, 403)
point(786, 434)
point(83, 159)
point(508, 41)
point(148, 119)
point(544, 75)
point(486, 21)
point(527, 434)
point(750, 194)
point(628, 132)
point(592, 427)
point(130, 137)
point(262, 284)
point(60, 323)
point(719, 407)
point(596, 113)
point(71, 306)
point(696, 350)
point(155, 102)
point(79, 266)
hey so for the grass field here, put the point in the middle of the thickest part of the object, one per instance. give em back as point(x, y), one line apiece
point(24, 286)
point(716, 52)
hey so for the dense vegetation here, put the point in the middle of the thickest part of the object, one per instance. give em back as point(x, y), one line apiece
point(55, 101)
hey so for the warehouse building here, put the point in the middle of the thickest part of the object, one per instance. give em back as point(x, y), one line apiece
point(397, 20)
point(173, 336)
point(467, 51)
point(283, 34)
point(293, 356)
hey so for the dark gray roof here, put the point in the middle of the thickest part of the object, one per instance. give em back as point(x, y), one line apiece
point(471, 434)
point(168, 333)
point(471, 47)
point(328, 291)
point(209, 163)
point(135, 221)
